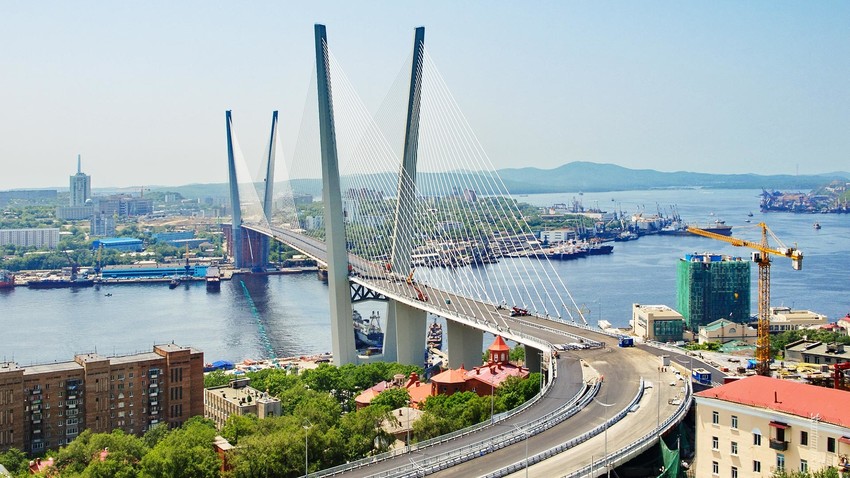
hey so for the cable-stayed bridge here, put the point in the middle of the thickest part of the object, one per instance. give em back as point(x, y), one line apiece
point(428, 227)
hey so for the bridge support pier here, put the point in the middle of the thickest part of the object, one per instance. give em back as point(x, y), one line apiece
point(466, 345)
point(404, 337)
point(532, 359)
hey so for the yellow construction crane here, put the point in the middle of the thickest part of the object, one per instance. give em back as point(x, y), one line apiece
point(761, 256)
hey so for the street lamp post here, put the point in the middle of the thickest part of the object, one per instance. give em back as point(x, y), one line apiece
point(541, 374)
point(306, 449)
point(525, 434)
point(492, 404)
point(607, 466)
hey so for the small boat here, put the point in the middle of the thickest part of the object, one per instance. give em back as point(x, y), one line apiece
point(750, 214)
point(109, 294)
point(213, 279)
point(174, 283)
point(816, 226)
point(7, 279)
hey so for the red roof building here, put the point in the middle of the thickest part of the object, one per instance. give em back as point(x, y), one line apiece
point(753, 426)
point(449, 382)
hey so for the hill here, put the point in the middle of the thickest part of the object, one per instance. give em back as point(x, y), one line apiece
point(584, 176)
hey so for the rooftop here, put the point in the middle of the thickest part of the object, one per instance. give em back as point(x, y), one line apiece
point(451, 376)
point(52, 367)
point(785, 396)
point(134, 358)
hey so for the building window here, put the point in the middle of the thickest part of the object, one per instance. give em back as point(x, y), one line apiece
point(804, 466)
point(780, 461)
point(715, 468)
point(830, 445)
point(734, 421)
point(734, 472)
point(734, 448)
point(804, 438)
point(715, 443)
point(756, 439)
point(715, 418)
point(756, 466)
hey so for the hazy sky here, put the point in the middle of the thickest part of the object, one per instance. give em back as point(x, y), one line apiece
point(140, 88)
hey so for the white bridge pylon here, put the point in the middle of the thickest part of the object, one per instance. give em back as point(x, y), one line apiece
point(431, 226)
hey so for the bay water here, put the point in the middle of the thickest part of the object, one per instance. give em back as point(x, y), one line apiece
point(256, 316)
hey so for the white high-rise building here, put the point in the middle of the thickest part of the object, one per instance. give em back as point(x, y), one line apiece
point(80, 187)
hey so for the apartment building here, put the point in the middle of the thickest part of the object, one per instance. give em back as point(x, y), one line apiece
point(758, 425)
point(238, 398)
point(46, 406)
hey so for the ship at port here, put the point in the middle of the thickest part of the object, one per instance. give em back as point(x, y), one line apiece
point(60, 282)
point(7, 279)
point(435, 335)
point(213, 279)
point(367, 332)
point(72, 279)
point(678, 228)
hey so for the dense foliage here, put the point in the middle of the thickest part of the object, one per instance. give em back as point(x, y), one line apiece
point(317, 410)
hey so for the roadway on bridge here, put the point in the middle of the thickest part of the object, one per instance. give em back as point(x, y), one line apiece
point(622, 369)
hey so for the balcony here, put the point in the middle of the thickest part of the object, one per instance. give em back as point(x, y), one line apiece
point(778, 445)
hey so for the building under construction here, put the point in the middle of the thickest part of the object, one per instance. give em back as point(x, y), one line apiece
point(711, 287)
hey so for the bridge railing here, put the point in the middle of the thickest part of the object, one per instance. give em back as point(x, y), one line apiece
point(498, 418)
point(571, 443)
point(492, 444)
point(643, 443)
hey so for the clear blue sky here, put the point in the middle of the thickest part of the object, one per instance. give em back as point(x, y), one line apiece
point(140, 88)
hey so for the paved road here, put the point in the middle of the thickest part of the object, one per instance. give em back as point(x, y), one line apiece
point(622, 369)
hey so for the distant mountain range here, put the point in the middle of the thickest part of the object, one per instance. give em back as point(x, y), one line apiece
point(588, 177)
point(585, 176)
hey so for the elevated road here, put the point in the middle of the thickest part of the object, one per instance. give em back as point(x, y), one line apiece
point(627, 373)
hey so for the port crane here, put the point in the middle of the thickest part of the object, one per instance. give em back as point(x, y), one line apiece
point(761, 256)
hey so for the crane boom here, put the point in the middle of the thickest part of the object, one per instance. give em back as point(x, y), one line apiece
point(762, 258)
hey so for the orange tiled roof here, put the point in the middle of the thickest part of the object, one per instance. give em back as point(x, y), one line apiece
point(499, 345)
point(786, 396)
point(450, 376)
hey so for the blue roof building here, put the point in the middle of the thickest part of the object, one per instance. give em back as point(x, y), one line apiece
point(130, 244)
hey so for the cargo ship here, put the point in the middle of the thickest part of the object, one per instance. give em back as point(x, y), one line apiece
point(681, 229)
point(435, 335)
point(7, 279)
point(59, 283)
point(367, 332)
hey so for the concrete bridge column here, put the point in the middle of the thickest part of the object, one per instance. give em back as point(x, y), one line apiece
point(532, 358)
point(466, 345)
point(404, 335)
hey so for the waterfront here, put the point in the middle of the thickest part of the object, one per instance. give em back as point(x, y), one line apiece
point(289, 313)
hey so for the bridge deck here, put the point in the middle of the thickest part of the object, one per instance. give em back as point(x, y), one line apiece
point(622, 369)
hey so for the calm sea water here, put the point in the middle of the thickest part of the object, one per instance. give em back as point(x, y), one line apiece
point(288, 315)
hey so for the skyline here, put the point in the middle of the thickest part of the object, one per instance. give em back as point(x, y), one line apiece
point(140, 90)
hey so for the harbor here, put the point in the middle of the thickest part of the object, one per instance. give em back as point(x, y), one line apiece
point(293, 307)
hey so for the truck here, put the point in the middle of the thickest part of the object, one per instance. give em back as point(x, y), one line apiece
point(702, 376)
point(626, 341)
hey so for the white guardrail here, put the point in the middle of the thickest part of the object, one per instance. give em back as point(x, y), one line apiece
point(642, 444)
point(458, 433)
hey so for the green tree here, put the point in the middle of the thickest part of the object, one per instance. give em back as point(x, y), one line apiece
point(392, 398)
point(14, 460)
point(828, 472)
point(238, 426)
point(185, 452)
point(216, 378)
